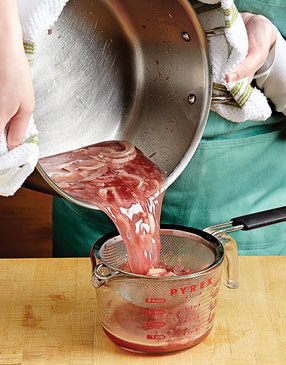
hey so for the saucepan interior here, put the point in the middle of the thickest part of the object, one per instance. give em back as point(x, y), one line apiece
point(125, 70)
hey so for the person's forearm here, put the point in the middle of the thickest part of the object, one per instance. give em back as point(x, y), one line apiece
point(10, 27)
point(17, 96)
point(272, 76)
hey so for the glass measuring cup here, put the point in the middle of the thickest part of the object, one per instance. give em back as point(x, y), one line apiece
point(164, 314)
point(161, 314)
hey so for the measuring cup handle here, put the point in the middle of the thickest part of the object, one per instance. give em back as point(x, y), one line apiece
point(231, 271)
point(260, 219)
point(231, 261)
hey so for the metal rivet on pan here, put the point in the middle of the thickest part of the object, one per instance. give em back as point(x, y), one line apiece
point(186, 37)
point(192, 99)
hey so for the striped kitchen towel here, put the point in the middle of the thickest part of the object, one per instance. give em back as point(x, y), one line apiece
point(226, 51)
point(16, 165)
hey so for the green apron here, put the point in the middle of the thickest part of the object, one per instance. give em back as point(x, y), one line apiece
point(237, 169)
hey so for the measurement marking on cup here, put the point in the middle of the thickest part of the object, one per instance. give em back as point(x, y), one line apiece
point(155, 311)
point(155, 300)
point(155, 337)
point(155, 324)
point(215, 293)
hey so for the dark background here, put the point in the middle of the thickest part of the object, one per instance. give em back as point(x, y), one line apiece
point(26, 225)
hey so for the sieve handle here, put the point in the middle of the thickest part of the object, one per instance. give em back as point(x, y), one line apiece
point(260, 219)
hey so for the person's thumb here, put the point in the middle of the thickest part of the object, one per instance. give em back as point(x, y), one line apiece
point(17, 127)
point(247, 68)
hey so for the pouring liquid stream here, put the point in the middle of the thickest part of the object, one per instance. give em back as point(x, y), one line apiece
point(118, 179)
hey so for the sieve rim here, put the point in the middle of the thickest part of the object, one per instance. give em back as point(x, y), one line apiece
point(164, 227)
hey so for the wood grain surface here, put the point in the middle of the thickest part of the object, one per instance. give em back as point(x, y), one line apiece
point(49, 316)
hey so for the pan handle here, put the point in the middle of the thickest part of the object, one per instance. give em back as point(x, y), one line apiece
point(260, 219)
point(213, 32)
point(223, 99)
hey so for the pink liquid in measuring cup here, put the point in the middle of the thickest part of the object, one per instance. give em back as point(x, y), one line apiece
point(117, 178)
point(160, 325)
point(170, 346)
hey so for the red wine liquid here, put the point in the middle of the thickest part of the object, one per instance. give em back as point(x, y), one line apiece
point(118, 179)
point(157, 330)
point(170, 346)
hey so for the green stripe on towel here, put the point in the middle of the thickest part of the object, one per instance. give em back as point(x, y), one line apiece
point(232, 14)
point(31, 62)
point(243, 99)
point(34, 139)
point(234, 91)
point(219, 87)
point(29, 44)
point(30, 50)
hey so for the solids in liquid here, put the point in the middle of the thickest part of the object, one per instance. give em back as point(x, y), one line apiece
point(117, 178)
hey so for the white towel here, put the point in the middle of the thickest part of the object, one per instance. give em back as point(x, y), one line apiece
point(227, 51)
point(16, 165)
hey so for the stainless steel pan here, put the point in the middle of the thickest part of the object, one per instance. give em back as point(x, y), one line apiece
point(123, 69)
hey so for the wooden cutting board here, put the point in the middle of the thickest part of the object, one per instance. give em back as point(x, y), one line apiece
point(49, 316)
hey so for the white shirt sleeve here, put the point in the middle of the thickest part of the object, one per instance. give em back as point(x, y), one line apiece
point(271, 77)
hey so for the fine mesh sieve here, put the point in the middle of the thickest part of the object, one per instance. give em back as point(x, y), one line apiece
point(180, 246)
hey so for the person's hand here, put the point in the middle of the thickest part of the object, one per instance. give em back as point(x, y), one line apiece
point(262, 35)
point(17, 95)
